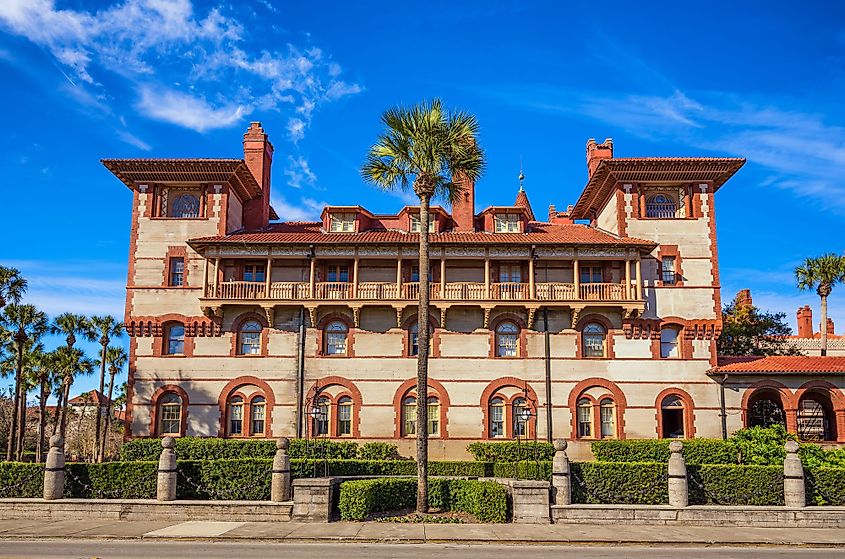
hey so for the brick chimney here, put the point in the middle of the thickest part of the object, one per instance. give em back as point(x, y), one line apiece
point(805, 322)
point(463, 209)
point(597, 152)
point(743, 298)
point(830, 330)
point(258, 155)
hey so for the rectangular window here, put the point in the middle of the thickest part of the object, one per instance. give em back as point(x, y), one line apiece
point(593, 345)
point(415, 223)
point(236, 420)
point(510, 273)
point(585, 421)
point(497, 421)
point(607, 429)
point(336, 343)
point(590, 274)
point(506, 223)
point(668, 270)
point(415, 273)
point(177, 271)
point(337, 273)
point(342, 222)
point(410, 424)
point(344, 419)
point(254, 272)
point(170, 420)
point(258, 419)
point(433, 413)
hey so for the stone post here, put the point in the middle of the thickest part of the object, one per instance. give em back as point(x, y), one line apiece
point(678, 488)
point(793, 477)
point(54, 469)
point(280, 484)
point(561, 480)
point(166, 486)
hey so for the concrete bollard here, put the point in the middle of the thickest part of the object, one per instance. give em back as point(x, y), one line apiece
point(793, 477)
point(678, 486)
point(561, 480)
point(54, 469)
point(166, 486)
point(280, 484)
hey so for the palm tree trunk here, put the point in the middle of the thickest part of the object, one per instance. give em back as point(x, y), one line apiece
point(42, 419)
point(422, 363)
point(13, 425)
point(21, 423)
point(105, 342)
point(107, 420)
point(57, 415)
point(63, 422)
point(824, 325)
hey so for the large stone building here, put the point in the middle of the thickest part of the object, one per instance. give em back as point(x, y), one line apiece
point(604, 316)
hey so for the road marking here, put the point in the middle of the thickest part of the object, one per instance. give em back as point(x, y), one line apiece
point(195, 529)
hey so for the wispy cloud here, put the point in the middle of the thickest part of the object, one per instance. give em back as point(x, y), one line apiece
point(185, 110)
point(299, 173)
point(308, 209)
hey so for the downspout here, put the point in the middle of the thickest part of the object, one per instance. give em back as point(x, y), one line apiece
point(722, 412)
point(548, 374)
point(300, 372)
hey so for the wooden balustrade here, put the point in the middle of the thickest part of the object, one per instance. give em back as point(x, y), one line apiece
point(602, 291)
point(373, 290)
point(333, 290)
point(241, 290)
point(553, 291)
point(411, 290)
point(509, 291)
point(289, 290)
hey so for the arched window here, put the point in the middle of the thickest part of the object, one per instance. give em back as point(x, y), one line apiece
point(258, 411)
point(660, 206)
point(321, 417)
point(521, 417)
point(607, 412)
point(433, 411)
point(186, 205)
point(236, 416)
point(175, 339)
point(816, 418)
point(409, 416)
point(593, 338)
point(170, 415)
point(765, 408)
point(672, 417)
point(414, 335)
point(249, 338)
point(507, 339)
point(669, 343)
point(335, 338)
point(344, 416)
point(585, 417)
point(497, 417)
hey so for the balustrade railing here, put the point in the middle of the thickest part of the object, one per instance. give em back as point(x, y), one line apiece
point(411, 290)
point(333, 290)
point(372, 290)
point(555, 291)
point(241, 290)
point(661, 211)
point(602, 291)
point(289, 290)
point(510, 291)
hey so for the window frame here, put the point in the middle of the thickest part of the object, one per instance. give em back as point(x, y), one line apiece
point(415, 225)
point(409, 416)
point(507, 222)
point(654, 207)
point(607, 403)
point(243, 332)
point(258, 402)
point(586, 335)
point(503, 350)
point(675, 344)
point(176, 276)
point(345, 405)
point(167, 346)
point(329, 334)
point(342, 222)
point(235, 402)
point(497, 404)
point(671, 272)
point(255, 271)
point(585, 404)
point(163, 406)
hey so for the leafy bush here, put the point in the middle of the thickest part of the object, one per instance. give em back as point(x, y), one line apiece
point(320, 468)
point(378, 451)
point(485, 500)
point(762, 445)
point(825, 485)
point(19, 479)
point(731, 484)
point(111, 480)
point(636, 483)
point(696, 451)
point(199, 448)
point(511, 451)
point(246, 479)
point(541, 471)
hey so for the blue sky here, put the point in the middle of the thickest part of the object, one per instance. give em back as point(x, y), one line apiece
point(85, 80)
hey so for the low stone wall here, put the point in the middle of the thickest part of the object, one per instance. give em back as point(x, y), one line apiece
point(727, 516)
point(126, 509)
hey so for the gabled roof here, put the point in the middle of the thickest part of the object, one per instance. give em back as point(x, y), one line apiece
point(651, 169)
point(522, 202)
point(90, 398)
point(781, 364)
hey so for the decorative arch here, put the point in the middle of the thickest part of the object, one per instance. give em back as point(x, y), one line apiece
point(689, 411)
point(242, 319)
point(616, 394)
point(408, 388)
point(491, 391)
point(685, 336)
point(231, 389)
point(154, 408)
point(608, 326)
point(837, 401)
point(787, 398)
point(350, 390)
point(522, 340)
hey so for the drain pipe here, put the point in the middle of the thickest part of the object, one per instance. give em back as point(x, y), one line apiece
point(300, 372)
point(722, 412)
point(549, 436)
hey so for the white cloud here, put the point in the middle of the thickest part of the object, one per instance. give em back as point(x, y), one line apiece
point(296, 129)
point(133, 140)
point(308, 209)
point(186, 110)
point(299, 173)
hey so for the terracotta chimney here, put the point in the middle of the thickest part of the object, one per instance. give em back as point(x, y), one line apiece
point(597, 152)
point(743, 298)
point(258, 155)
point(830, 331)
point(805, 322)
point(463, 209)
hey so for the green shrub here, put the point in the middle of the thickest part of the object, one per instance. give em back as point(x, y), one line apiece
point(486, 500)
point(731, 484)
point(199, 448)
point(378, 451)
point(320, 468)
point(637, 483)
point(111, 480)
point(511, 451)
point(762, 446)
point(541, 471)
point(814, 456)
point(19, 479)
point(459, 469)
point(825, 485)
point(246, 479)
point(696, 451)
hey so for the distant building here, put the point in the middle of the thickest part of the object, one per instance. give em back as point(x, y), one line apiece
point(87, 402)
point(809, 342)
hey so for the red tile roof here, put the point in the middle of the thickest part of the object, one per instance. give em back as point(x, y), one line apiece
point(779, 364)
point(312, 233)
point(90, 398)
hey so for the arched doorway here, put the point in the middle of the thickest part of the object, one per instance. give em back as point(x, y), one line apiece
point(765, 408)
point(816, 419)
point(672, 417)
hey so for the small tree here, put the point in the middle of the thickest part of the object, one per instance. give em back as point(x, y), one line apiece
point(12, 286)
point(746, 330)
point(821, 274)
point(106, 328)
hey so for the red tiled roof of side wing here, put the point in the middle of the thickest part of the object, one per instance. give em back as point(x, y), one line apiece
point(539, 233)
point(779, 364)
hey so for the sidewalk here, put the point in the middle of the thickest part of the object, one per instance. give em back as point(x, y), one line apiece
point(417, 533)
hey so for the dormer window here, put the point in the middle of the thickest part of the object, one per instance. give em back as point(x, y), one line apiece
point(415, 223)
point(507, 223)
point(342, 222)
point(661, 206)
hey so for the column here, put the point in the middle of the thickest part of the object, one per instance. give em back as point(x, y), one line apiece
point(205, 277)
point(442, 276)
point(216, 277)
point(793, 477)
point(312, 276)
point(486, 277)
point(54, 469)
point(399, 278)
point(531, 285)
point(576, 276)
point(355, 276)
point(678, 485)
point(280, 476)
point(560, 474)
point(627, 279)
point(268, 272)
point(639, 279)
point(166, 483)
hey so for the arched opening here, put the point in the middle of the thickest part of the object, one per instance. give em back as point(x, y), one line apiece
point(672, 417)
point(507, 339)
point(593, 338)
point(816, 419)
point(335, 338)
point(249, 338)
point(765, 408)
point(661, 206)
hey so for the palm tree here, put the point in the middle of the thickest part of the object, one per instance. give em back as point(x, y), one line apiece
point(23, 323)
point(69, 363)
point(106, 327)
point(821, 274)
point(45, 378)
point(116, 358)
point(70, 326)
point(432, 152)
point(12, 286)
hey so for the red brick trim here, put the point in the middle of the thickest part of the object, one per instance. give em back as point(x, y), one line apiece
point(350, 390)
point(321, 335)
point(175, 252)
point(685, 337)
point(522, 342)
point(231, 389)
point(787, 398)
point(689, 411)
point(837, 400)
point(160, 342)
point(409, 388)
point(669, 250)
point(238, 323)
point(621, 218)
point(609, 352)
point(615, 393)
point(491, 391)
point(183, 414)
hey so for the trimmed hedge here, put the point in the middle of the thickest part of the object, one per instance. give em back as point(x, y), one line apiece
point(696, 451)
point(541, 471)
point(378, 451)
point(825, 486)
point(511, 451)
point(637, 483)
point(21, 479)
point(732, 484)
point(199, 448)
point(486, 500)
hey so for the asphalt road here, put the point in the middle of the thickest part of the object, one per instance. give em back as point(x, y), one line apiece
point(78, 549)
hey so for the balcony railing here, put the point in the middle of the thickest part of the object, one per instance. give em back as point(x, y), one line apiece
point(453, 291)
